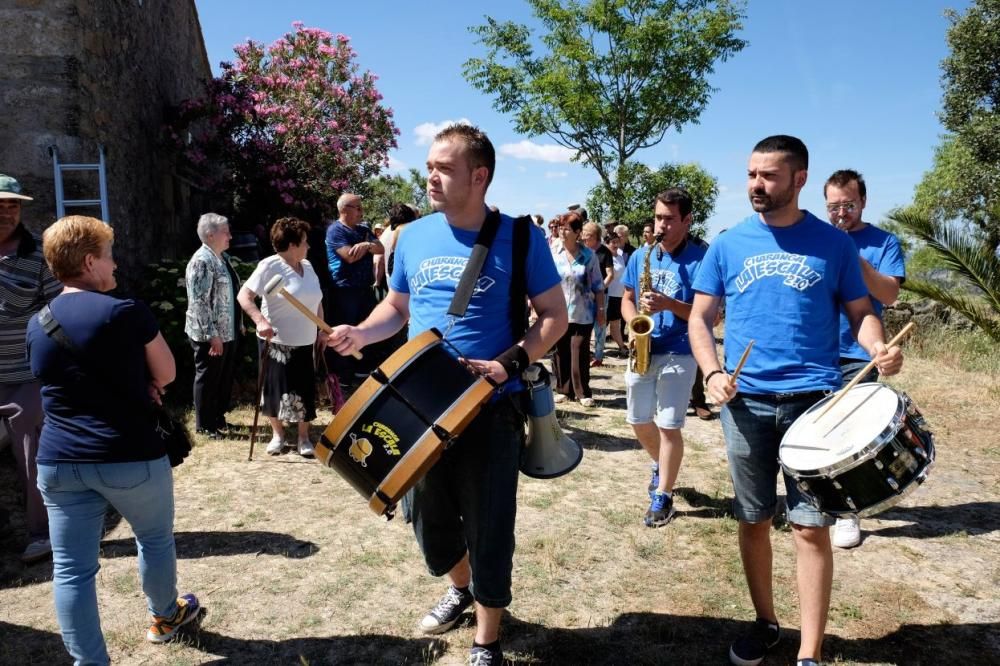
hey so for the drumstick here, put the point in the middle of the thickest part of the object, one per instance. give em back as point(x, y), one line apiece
point(274, 285)
point(864, 371)
point(739, 366)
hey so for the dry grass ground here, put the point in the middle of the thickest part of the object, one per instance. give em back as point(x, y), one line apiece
point(294, 569)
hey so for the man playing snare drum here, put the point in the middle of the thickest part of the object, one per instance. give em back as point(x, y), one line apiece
point(784, 274)
point(883, 271)
point(463, 510)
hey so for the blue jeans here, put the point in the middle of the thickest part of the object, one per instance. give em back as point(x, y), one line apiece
point(467, 502)
point(753, 426)
point(77, 496)
point(600, 335)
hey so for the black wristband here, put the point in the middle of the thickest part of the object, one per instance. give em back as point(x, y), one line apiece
point(712, 374)
point(514, 360)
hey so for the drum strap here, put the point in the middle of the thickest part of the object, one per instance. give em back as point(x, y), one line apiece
point(467, 283)
point(519, 278)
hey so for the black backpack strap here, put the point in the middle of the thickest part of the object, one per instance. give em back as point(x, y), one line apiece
point(467, 284)
point(519, 277)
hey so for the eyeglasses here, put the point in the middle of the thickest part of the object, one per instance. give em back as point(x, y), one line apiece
point(849, 207)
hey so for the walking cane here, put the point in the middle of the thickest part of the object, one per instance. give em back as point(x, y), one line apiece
point(260, 395)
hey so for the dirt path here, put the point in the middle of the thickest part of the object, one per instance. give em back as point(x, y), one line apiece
point(293, 568)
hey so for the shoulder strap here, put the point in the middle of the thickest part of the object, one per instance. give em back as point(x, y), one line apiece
point(54, 330)
point(519, 277)
point(467, 283)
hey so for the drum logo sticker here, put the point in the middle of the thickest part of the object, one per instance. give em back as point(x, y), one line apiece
point(360, 449)
point(390, 440)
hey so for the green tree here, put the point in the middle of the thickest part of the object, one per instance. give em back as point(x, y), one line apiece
point(614, 78)
point(972, 79)
point(639, 185)
point(956, 211)
point(383, 191)
point(964, 182)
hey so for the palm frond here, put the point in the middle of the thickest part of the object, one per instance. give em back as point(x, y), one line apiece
point(959, 250)
point(971, 308)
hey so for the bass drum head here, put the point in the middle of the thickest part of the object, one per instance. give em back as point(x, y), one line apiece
point(855, 422)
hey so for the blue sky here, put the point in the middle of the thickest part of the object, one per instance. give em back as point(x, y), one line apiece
point(858, 81)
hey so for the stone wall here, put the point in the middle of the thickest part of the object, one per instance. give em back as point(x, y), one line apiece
point(79, 73)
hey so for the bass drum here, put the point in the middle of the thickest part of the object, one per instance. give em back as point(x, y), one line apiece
point(862, 457)
point(395, 426)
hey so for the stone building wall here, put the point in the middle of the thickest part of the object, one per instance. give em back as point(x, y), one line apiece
point(79, 73)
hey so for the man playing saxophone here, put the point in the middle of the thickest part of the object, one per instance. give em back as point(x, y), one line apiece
point(661, 370)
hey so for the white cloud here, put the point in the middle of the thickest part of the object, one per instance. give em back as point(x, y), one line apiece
point(397, 165)
point(529, 150)
point(426, 131)
point(555, 174)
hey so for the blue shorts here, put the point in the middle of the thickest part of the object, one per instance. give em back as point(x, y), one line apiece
point(661, 394)
point(753, 426)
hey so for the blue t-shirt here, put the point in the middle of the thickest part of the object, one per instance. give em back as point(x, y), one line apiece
point(674, 277)
point(362, 272)
point(429, 260)
point(880, 249)
point(96, 400)
point(783, 289)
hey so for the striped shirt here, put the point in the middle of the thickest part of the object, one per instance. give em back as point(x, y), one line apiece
point(26, 284)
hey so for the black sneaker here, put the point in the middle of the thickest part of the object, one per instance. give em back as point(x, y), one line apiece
point(750, 649)
point(661, 510)
point(483, 656)
point(445, 614)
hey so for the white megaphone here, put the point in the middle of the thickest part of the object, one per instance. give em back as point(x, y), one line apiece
point(549, 452)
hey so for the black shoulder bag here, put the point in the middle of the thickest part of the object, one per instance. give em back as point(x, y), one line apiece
point(171, 431)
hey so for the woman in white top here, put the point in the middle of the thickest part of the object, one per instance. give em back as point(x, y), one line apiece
point(290, 380)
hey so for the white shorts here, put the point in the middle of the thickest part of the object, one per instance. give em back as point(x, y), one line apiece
point(662, 394)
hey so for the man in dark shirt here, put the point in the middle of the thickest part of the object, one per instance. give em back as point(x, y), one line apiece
point(350, 245)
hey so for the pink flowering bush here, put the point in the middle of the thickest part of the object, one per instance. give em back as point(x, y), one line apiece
point(287, 127)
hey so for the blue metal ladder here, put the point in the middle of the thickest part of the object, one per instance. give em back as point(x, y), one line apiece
point(62, 202)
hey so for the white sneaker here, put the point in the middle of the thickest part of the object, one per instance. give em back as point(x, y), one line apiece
point(36, 551)
point(306, 449)
point(587, 402)
point(275, 446)
point(560, 397)
point(847, 532)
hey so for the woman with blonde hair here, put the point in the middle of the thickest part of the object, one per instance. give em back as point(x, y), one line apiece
point(102, 362)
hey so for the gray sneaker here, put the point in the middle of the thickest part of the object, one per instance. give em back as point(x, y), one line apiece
point(445, 614)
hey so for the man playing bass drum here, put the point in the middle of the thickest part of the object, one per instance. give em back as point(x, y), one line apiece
point(463, 509)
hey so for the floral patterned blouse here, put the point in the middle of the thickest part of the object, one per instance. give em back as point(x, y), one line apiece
point(211, 294)
point(581, 281)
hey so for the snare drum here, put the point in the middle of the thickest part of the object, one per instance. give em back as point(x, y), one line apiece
point(863, 456)
point(395, 426)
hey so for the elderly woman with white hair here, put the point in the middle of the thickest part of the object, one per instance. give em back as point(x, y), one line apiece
point(213, 324)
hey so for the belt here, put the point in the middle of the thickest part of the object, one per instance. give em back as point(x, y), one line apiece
point(814, 396)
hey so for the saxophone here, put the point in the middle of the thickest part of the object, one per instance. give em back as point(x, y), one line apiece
point(641, 326)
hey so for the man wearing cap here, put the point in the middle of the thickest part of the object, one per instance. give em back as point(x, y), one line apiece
point(26, 284)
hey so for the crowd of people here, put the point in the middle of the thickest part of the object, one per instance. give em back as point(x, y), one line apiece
point(807, 292)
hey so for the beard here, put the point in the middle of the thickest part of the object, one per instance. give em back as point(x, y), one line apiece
point(771, 202)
